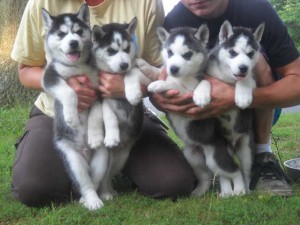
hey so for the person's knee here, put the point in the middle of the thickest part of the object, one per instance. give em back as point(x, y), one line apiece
point(178, 186)
point(36, 194)
point(27, 194)
point(170, 185)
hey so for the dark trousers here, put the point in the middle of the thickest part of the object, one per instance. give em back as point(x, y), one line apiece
point(155, 165)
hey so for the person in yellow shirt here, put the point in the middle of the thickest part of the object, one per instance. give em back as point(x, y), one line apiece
point(156, 165)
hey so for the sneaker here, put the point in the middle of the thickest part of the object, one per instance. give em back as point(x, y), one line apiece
point(268, 177)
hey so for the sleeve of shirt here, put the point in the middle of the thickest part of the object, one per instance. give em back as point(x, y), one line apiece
point(151, 51)
point(28, 47)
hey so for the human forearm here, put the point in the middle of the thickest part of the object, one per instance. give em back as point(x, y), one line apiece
point(283, 93)
point(30, 76)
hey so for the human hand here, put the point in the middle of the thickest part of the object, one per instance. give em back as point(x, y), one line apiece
point(84, 89)
point(111, 85)
point(222, 100)
point(172, 100)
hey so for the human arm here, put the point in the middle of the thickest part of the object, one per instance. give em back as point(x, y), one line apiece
point(282, 93)
point(222, 96)
point(222, 100)
point(112, 85)
point(269, 94)
point(31, 76)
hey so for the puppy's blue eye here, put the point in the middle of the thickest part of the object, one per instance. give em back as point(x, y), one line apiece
point(61, 34)
point(250, 54)
point(127, 49)
point(111, 51)
point(233, 53)
point(170, 53)
point(188, 55)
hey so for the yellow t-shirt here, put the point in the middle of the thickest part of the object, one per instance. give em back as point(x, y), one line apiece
point(28, 48)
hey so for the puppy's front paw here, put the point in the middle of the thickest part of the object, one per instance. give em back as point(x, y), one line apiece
point(201, 189)
point(72, 120)
point(226, 194)
point(106, 196)
point(111, 142)
point(91, 203)
point(243, 96)
point(202, 95)
point(243, 100)
point(157, 86)
point(201, 98)
point(134, 96)
point(95, 139)
point(149, 71)
point(143, 66)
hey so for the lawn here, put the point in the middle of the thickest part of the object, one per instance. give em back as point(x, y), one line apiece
point(132, 208)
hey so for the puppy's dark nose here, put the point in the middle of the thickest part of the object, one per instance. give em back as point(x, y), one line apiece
point(174, 69)
point(74, 44)
point(124, 66)
point(243, 68)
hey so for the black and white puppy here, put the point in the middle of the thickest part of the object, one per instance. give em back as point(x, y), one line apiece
point(233, 61)
point(68, 48)
point(115, 52)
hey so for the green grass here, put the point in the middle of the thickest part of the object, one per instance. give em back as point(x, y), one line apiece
point(132, 208)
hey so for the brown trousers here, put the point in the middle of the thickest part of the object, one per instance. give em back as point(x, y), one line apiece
point(156, 165)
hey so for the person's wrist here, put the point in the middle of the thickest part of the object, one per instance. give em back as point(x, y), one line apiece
point(144, 90)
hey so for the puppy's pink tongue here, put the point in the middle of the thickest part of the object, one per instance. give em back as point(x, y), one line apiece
point(73, 57)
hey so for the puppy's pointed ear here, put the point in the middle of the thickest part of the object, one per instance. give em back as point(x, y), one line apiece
point(132, 26)
point(47, 19)
point(225, 31)
point(97, 33)
point(258, 33)
point(202, 34)
point(84, 14)
point(162, 34)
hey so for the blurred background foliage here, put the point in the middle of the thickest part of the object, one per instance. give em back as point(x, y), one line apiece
point(11, 91)
point(289, 12)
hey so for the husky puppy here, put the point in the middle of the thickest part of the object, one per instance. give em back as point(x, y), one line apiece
point(68, 48)
point(232, 61)
point(115, 52)
point(184, 54)
point(185, 57)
